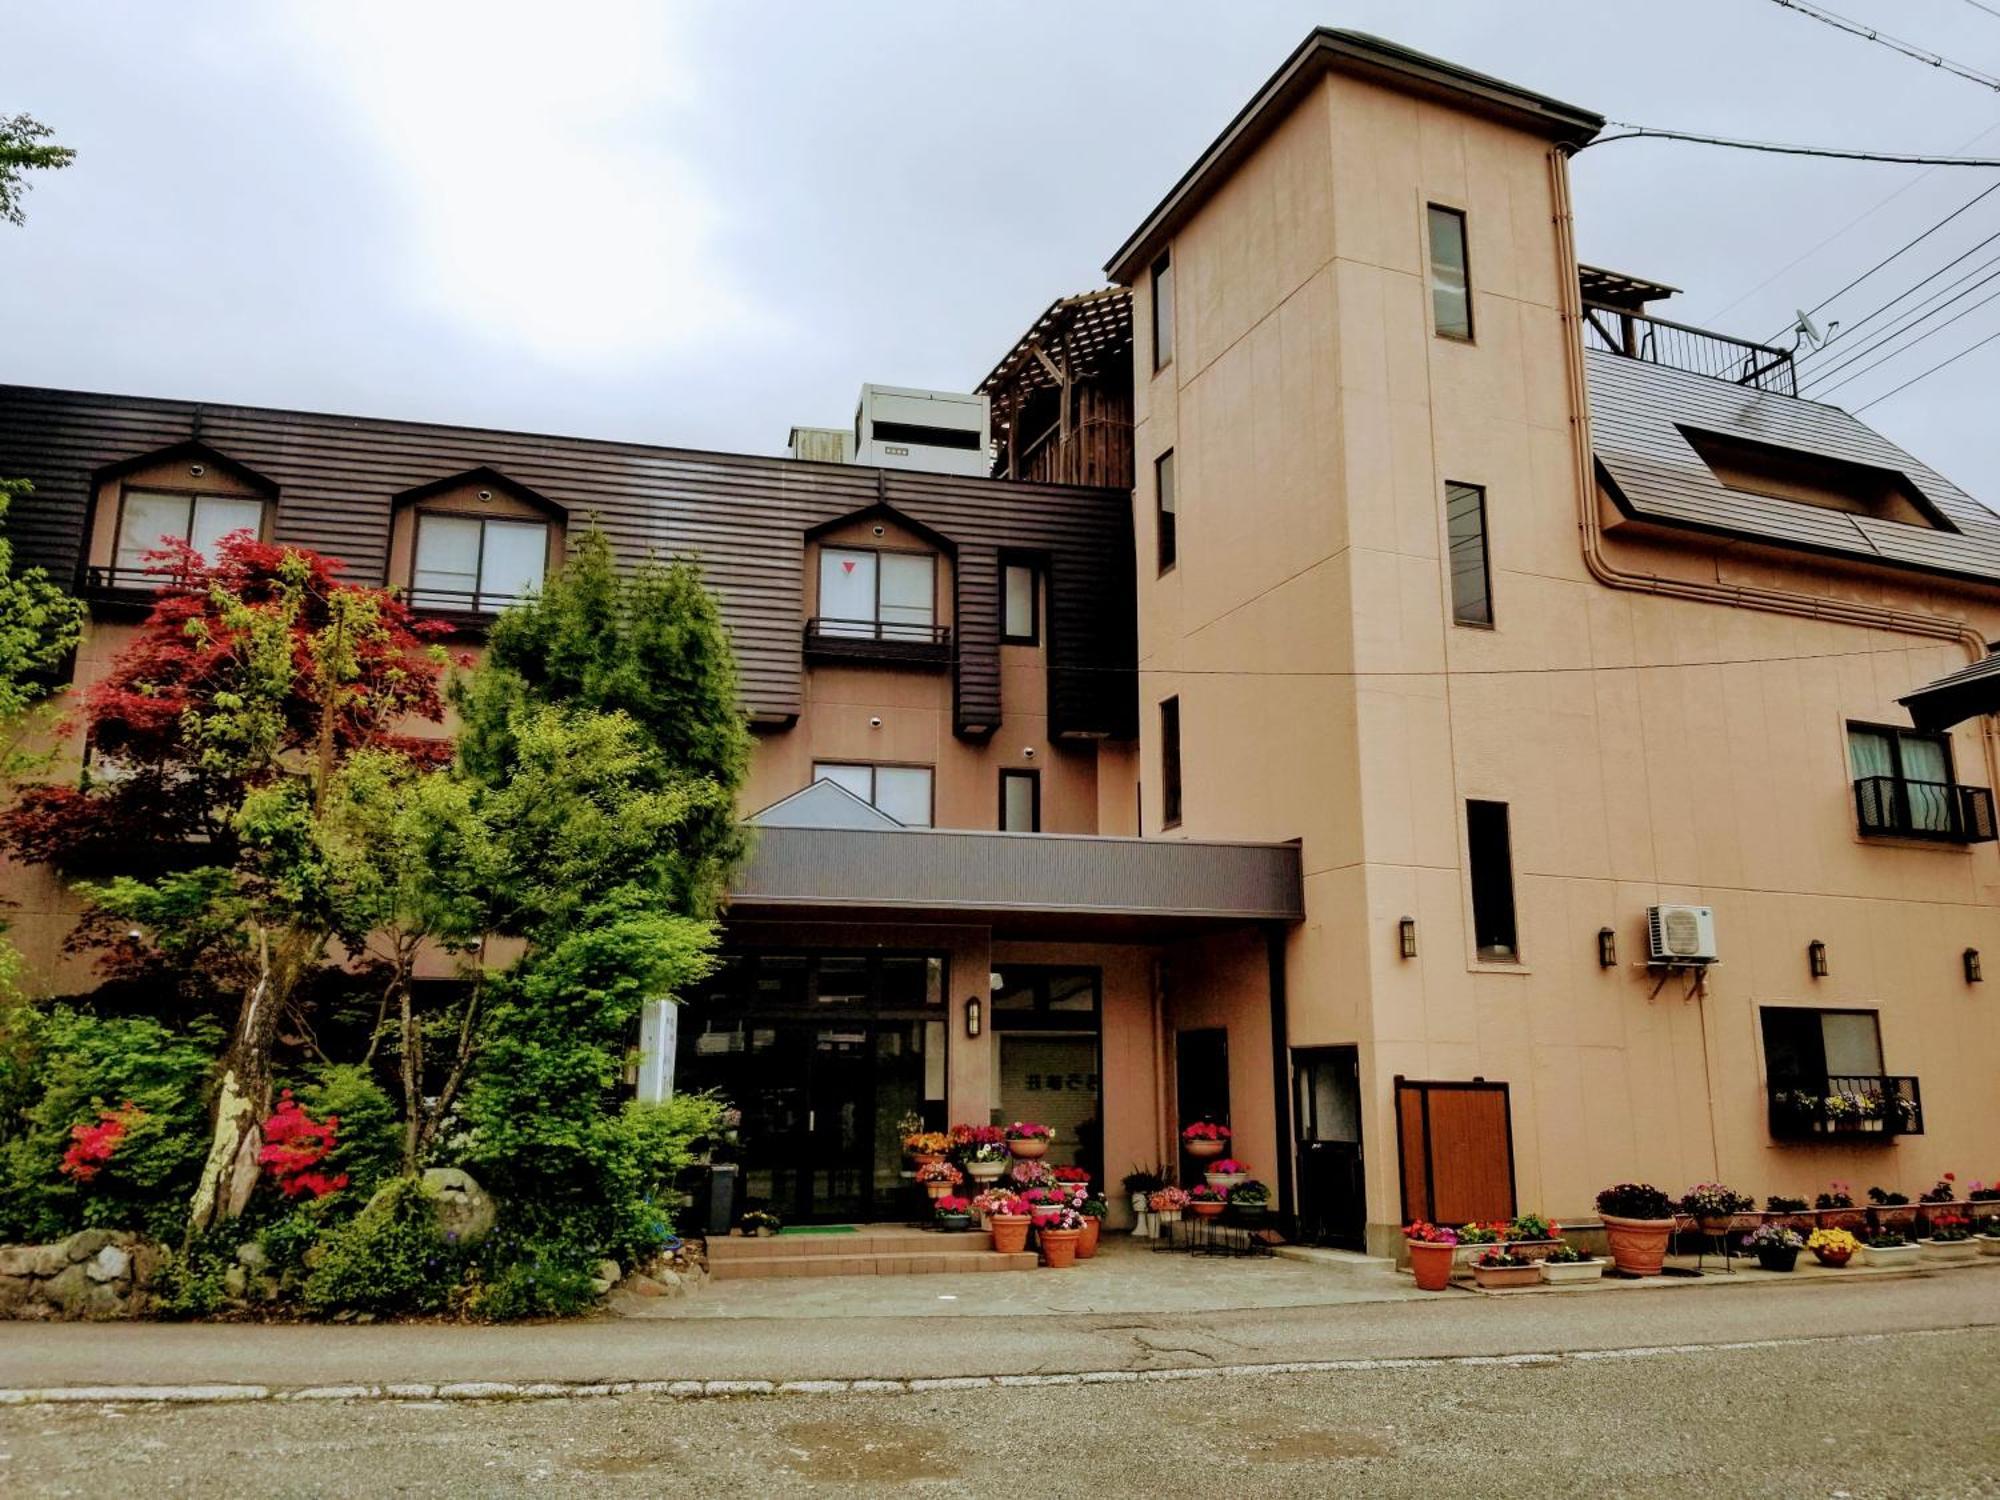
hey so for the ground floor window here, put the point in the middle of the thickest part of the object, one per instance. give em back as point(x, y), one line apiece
point(1047, 1025)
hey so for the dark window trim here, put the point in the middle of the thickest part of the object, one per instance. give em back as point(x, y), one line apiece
point(819, 567)
point(1763, 1039)
point(1485, 558)
point(1162, 270)
point(1166, 523)
point(742, 991)
point(1034, 780)
point(1503, 918)
point(872, 767)
point(474, 606)
point(1470, 336)
point(1036, 575)
point(1041, 1018)
point(1170, 762)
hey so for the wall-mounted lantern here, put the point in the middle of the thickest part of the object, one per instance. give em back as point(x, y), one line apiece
point(1407, 929)
point(1816, 956)
point(974, 1015)
point(1972, 972)
point(1607, 948)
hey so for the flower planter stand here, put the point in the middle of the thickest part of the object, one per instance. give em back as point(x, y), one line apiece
point(1010, 1233)
point(1947, 1252)
point(1570, 1272)
point(1431, 1264)
point(1058, 1247)
point(1889, 1255)
point(1638, 1246)
point(1492, 1277)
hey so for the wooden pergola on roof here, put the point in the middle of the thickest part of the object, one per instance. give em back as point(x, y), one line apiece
point(1076, 333)
point(1079, 344)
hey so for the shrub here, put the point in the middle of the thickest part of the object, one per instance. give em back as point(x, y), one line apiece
point(387, 1258)
point(369, 1145)
point(536, 1264)
point(1777, 1203)
point(1635, 1200)
point(189, 1282)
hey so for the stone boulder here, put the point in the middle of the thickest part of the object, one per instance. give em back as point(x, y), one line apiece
point(466, 1211)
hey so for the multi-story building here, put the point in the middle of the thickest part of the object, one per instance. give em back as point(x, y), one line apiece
point(1484, 755)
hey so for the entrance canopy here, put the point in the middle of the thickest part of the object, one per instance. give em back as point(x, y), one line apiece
point(1956, 696)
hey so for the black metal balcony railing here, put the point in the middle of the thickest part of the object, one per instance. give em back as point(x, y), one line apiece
point(1851, 1106)
point(878, 640)
point(1680, 346)
point(1894, 807)
point(102, 582)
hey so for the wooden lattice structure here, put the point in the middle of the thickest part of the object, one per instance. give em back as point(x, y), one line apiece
point(1062, 396)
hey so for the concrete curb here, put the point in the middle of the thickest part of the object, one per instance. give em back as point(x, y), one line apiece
point(543, 1390)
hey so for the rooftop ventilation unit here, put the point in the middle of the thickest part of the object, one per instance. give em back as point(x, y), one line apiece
point(941, 432)
point(1680, 935)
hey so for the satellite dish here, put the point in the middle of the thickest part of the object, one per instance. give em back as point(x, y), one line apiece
point(1810, 332)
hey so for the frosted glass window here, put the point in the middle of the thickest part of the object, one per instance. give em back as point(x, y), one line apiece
point(908, 595)
point(1451, 282)
point(512, 561)
point(1020, 802)
point(447, 573)
point(904, 793)
point(149, 520)
point(1018, 622)
point(1853, 1043)
point(215, 516)
point(859, 780)
point(846, 592)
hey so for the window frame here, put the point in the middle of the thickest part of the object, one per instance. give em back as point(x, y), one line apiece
point(1172, 805)
point(193, 497)
point(1035, 574)
point(873, 766)
point(822, 619)
point(1033, 777)
point(1040, 979)
point(1458, 607)
point(1465, 269)
point(1161, 273)
point(483, 517)
point(1896, 735)
point(1775, 1079)
point(1485, 918)
point(1166, 516)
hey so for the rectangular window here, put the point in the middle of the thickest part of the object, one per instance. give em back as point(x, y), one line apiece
point(1163, 310)
point(1805, 1048)
point(1170, 763)
point(476, 562)
point(1451, 276)
point(888, 596)
point(1492, 880)
point(1465, 526)
point(1020, 801)
point(903, 792)
point(1917, 793)
point(152, 518)
point(1020, 605)
point(1163, 509)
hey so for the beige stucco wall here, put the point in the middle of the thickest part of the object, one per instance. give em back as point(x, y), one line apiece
point(1648, 749)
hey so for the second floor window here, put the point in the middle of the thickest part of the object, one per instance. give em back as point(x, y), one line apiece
point(1451, 276)
point(476, 562)
point(1164, 515)
point(1163, 310)
point(903, 792)
point(1020, 801)
point(1805, 1048)
point(1465, 527)
point(1918, 765)
point(1170, 763)
point(889, 596)
point(151, 518)
point(1020, 604)
point(1489, 851)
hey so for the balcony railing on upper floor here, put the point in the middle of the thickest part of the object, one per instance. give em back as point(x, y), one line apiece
point(888, 641)
point(1893, 807)
point(1681, 346)
point(1857, 1106)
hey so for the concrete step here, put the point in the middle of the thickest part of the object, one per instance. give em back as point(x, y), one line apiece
point(870, 1240)
point(906, 1264)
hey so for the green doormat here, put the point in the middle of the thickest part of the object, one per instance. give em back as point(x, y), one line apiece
point(819, 1229)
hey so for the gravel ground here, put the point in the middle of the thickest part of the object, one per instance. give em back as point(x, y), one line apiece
point(1899, 1415)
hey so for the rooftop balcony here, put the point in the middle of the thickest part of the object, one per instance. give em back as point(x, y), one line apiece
point(1681, 346)
point(1855, 1107)
point(1945, 812)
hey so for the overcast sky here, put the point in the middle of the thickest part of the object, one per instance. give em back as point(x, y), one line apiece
point(700, 224)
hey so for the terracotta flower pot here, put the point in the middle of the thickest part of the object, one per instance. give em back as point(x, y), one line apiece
point(1205, 1150)
point(1833, 1258)
point(1029, 1150)
point(1497, 1276)
point(1431, 1263)
point(1638, 1246)
point(937, 1189)
point(1086, 1245)
point(1010, 1233)
point(1059, 1247)
point(1206, 1209)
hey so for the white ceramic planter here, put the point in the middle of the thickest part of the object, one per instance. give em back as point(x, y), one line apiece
point(1948, 1252)
point(1565, 1273)
point(1225, 1179)
point(1989, 1244)
point(1894, 1255)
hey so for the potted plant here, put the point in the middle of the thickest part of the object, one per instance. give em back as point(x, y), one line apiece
point(1832, 1205)
point(926, 1146)
point(980, 1151)
point(938, 1177)
point(1226, 1173)
point(1168, 1202)
point(1432, 1249)
point(1944, 1190)
point(1022, 1175)
point(1532, 1229)
point(1204, 1139)
point(759, 1223)
point(1093, 1211)
point(989, 1201)
point(1248, 1200)
point(1206, 1202)
point(1777, 1204)
point(1776, 1246)
point(1058, 1238)
point(1028, 1140)
point(1892, 1209)
point(1009, 1218)
point(1499, 1266)
point(1566, 1264)
point(1637, 1217)
point(1044, 1203)
point(1889, 1247)
point(1073, 1179)
point(952, 1214)
point(1714, 1207)
point(1832, 1247)
point(1139, 1182)
point(1481, 1234)
point(1950, 1242)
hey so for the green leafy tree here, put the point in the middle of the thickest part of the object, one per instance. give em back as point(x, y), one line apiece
point(25, 147)
point(39, 626)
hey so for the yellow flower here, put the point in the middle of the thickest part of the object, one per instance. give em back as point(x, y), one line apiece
point(1835, 1240)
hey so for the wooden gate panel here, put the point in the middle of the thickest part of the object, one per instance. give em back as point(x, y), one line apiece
point(1457, 1150)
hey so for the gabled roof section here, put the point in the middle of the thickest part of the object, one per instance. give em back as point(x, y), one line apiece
point(824, 804)
point(1358, 54)
point(882, 510)
point(1638, 411)
point(1956, 696)
point(192, 451)
point(486, 477)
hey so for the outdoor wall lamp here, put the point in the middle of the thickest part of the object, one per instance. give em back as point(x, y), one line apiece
point(1407, 929)
point(1816, 956)
point(1607, 948)
point(974, 1014)
point(1972, 973)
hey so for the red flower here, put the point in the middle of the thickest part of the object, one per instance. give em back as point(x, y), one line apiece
point(294, 1146)
point(91, 1146)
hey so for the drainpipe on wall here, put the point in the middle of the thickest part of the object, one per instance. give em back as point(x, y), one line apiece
point(1281, 1072)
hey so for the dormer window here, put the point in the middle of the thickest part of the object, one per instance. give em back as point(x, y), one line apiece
point(477, 563)
point(866, 594)
point(150, 519)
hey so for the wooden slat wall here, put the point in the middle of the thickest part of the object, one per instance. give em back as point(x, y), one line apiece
point(743, 517)
point(1468, 1171)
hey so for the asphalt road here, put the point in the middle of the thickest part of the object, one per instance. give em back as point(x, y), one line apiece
point(1884, 1415)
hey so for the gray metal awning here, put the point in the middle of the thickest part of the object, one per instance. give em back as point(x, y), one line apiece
point(1956, 696)
point(1018, 883)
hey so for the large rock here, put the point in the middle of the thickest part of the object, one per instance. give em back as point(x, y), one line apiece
point(112, 1263)
point(466, 1211)
point(19, 1260)
point(87, 1242)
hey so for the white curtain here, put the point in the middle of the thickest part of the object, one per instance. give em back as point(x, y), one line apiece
point(215, 516)
point(846, 592)
point(148, 520)
point(511, 561)
point(447, 571)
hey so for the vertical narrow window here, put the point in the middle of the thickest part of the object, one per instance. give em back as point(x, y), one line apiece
point(1163, 508)
point(1020, 605)
point(1020, 801)
point(1492, 880)
point(1163, 310)
point(1170, 763)
point(1465, 527)
point(1451, 276)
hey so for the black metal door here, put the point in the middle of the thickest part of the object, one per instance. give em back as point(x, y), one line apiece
point(1201, 1085)
point(1333, 1203)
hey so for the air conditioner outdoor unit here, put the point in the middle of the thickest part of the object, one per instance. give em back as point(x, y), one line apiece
point(1680, 934)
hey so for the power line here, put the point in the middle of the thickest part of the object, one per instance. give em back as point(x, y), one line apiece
point(1838, 153)
point(1892, 335)
point(1848, 330)
point(1894, 44)
point(1928, 373)
point(1980, 5)
point(1898, 353)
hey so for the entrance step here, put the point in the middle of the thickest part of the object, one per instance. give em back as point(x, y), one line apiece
point(1338, 1260)
point(867, 1251)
